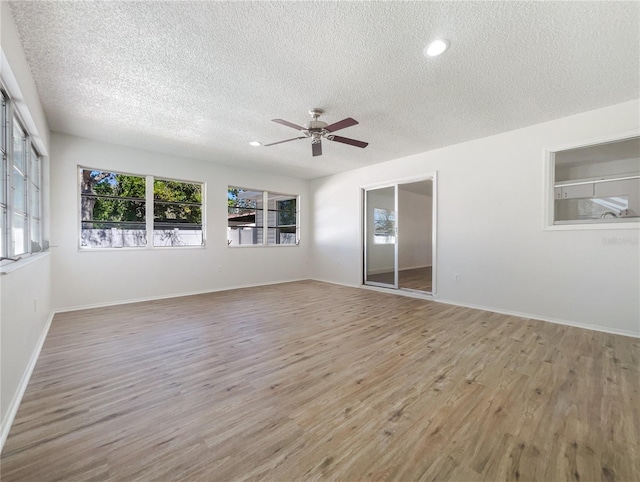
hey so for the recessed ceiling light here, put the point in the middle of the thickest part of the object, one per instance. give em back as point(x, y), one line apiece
point(254, 143)
point(436, 47)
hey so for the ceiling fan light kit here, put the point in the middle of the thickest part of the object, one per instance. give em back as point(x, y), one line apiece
point(317, 130)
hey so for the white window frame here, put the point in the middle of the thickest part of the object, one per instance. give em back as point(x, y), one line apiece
point(8, 209)
point(265, 225)
point(550, 185)
point(149, 211)
point(4, 149)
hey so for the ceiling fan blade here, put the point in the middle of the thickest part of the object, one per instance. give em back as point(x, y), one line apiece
point(288, 140)
point(316, 148)
point(346, 140)
point(287, 123)
point(348, 122)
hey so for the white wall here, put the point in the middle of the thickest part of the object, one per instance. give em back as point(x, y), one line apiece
point(490, 228)
point(23, 324)
point(414, 229)
point(88, 278)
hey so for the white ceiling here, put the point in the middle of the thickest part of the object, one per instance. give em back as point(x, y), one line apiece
point(202, 79)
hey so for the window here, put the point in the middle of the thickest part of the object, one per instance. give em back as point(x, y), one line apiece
point(596, 184)
point(282, 219)
point(114, 212)
point(246, 218)
point(3, 175)
point(177, 213)
point(20, 186)
point(384, 226)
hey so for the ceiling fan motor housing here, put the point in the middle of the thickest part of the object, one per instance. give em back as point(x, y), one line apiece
point(315, 129)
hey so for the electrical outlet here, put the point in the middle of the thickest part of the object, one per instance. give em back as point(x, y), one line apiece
point(456, 277)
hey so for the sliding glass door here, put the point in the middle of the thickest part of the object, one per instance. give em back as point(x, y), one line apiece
point(400, 235)
point(381, 232)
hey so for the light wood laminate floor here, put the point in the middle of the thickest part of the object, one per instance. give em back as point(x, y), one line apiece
point(308, 380)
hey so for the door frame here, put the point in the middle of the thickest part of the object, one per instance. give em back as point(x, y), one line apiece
point(432, 176)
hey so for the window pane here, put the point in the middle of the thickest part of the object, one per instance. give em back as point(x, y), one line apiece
point(282, 218)
point(18, 147)
point(3, 149)
point(34, 214)
point(34, 202)
point(244, 235)
point(3, 225)
point(282, 235)
point(35, 235)
point(113, 209)
point(244, 198)
point(244, 216)
point(34, 174)
point(177, 191)
point(3, 123)
point(597, 184)
point(177, 213)
point(19, 191)
point(3, 199)
point(19, 234)
point(107, 235)
point(177, 236)
point(287, 213)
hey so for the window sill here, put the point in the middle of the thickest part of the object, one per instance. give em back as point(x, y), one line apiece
point(249, 246)
point(12, 266)
point(139, 248)
point(593, 226)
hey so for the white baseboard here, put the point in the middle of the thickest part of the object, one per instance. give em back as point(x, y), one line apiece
point(169, 296)
point(382, 270)
point(423, 295)
point(434, 297)
point(22, 386)
point(603, 329)
point(348, 285)
point(415, 267)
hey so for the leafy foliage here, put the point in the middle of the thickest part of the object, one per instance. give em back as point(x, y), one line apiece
point(238, 204)
point(118, 198)
point(130, 190)
point(287, 212)
point(177, 202)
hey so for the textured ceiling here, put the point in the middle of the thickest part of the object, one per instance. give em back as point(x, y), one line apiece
point(202, 79)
